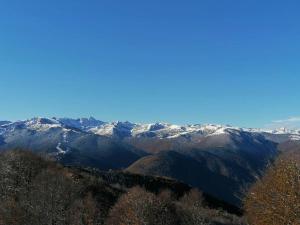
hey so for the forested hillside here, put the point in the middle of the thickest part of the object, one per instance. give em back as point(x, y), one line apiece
point(36, 191)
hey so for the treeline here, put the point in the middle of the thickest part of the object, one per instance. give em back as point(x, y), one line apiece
point(35, 191)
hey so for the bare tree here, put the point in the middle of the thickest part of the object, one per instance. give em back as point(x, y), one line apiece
point(17, 169)
point(139, 207)
point(190, 208)
point(85, 212)
point(51, 193)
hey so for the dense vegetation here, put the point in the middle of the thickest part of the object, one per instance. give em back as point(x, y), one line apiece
point(35, 191)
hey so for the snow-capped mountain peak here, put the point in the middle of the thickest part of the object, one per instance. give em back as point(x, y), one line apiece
point(81, 123)
point(127, 129)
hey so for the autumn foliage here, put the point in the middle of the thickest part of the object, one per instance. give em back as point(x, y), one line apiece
point(275, 199)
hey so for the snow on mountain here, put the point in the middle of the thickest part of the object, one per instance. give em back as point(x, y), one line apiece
point(41, 124)
point(159, 130)
point(278, 135)
point(281, 130)
point(82, 123)
point(115, 129)
point(37, 124)
point(165, 130)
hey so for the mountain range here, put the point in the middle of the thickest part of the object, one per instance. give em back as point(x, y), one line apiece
point(220, 160)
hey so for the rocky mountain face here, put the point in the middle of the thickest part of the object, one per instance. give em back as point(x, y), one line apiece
point(221, 160)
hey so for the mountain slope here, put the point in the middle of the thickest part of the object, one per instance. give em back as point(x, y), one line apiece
point(188, 170)
point(223, 165)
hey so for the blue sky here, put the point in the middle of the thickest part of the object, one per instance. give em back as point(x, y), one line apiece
point(213, 61)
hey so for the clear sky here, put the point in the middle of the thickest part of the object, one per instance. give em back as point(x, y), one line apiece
point(212, 61)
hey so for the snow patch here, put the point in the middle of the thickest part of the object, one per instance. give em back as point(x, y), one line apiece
point(60, 150)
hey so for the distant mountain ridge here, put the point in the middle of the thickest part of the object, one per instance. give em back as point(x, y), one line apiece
point(160, 130)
